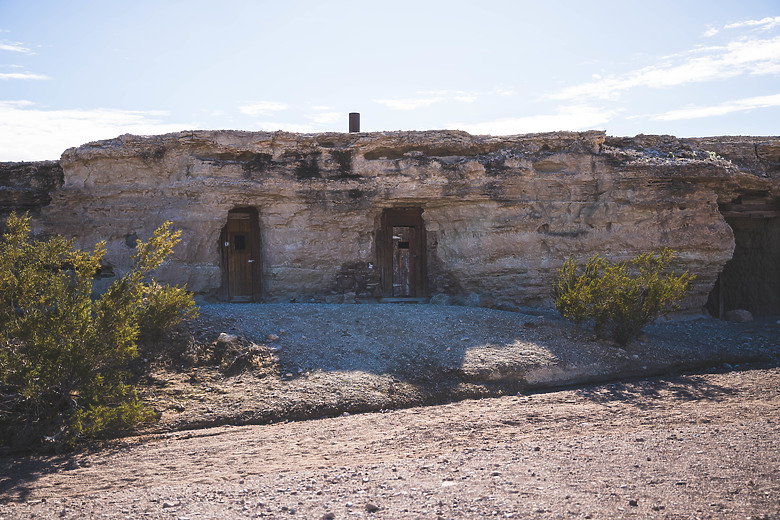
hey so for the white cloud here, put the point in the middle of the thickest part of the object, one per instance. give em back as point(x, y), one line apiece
point(408, 103)
point(22, 75)
point(765, 23)
point(738, 105)
point(749, 56)
point(15, 47)
point(709, 33)
point(427, 98)
point(327, 118)
point(273, 126)
point(32, 134)
point(574, 117)
point(465, 98)
point(262, 108)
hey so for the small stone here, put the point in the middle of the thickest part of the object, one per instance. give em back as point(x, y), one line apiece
point(224, 337)
point(372, 508)
point(272, 337)
point(739, 316)
point(171, 503)
point(633, 503)
point(328, 516)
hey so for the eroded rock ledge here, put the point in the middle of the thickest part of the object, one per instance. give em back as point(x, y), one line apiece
point(500, 214)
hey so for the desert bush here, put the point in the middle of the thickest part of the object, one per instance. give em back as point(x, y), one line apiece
point(164, 307)
point(619, 299)
point(63, 353)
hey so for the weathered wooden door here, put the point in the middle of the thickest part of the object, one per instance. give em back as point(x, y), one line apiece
point(401, 254)
point(241, 256)
point(405, 256)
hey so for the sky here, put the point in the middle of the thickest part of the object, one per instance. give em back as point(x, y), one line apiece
point(75, 71)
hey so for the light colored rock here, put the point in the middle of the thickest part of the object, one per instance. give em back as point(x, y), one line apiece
point(224, 337)
point(501, 213)
point(441, 299)
point(739, 316)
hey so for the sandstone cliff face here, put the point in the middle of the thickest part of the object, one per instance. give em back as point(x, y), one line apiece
point(501, 214)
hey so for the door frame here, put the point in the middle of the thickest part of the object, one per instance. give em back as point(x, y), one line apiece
point(254, 253)
point(406, 217)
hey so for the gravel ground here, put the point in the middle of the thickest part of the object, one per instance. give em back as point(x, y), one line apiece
point(312, 360)
point(686, 446)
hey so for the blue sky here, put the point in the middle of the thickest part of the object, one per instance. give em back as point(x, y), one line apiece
point(76, 71)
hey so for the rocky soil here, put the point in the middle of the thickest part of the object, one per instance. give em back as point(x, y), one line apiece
point(292, 361)
point(700, 446)
point(669, 446)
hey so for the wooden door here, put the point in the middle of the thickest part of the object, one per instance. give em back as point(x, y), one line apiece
point(404, 261)
point(241, 256)
point(401, 254)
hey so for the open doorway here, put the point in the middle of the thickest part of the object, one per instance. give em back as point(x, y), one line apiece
point(401, 255)
point(241, 266)
point(751, 279)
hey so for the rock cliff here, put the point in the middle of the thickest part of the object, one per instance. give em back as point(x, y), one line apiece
point(27, 186)
point(500, 214)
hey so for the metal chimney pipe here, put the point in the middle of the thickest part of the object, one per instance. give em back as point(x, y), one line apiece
point(354, 122)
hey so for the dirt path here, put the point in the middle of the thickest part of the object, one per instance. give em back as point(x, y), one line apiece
point(702, 446)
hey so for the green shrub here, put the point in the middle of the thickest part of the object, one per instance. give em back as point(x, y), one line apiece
point(620, 299)
point(164, 307)
point(63, 354)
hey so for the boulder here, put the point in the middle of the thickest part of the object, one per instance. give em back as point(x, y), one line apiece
point(738, 316)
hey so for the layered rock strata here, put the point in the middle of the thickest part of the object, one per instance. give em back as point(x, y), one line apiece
point(501, 214)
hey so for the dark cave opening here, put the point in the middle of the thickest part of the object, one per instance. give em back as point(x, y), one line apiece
point(751, 279)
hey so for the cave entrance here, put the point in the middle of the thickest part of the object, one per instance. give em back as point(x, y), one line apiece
point(751, 279)
point(241, 266)
point(401, 255)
